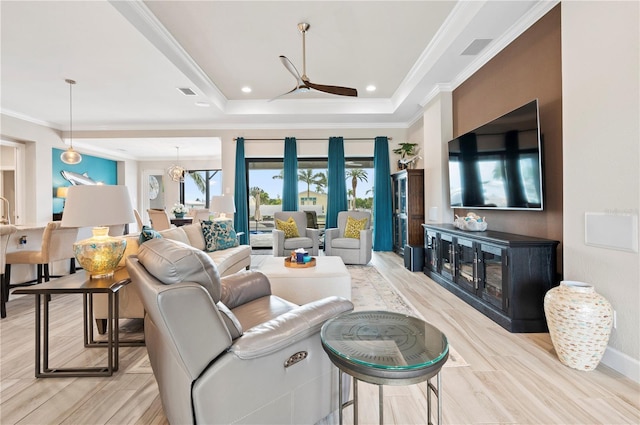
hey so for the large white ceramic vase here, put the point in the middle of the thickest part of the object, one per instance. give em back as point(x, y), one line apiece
point(579, 321)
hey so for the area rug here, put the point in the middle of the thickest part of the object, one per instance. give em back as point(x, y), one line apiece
point(371, 291)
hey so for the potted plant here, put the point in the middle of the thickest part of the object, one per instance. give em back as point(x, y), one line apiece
point(179, 210)
point(406, 150)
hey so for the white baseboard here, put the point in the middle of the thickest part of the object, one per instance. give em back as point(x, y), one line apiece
point(622, 363)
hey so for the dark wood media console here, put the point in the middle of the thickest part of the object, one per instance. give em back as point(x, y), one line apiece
point(503, 275)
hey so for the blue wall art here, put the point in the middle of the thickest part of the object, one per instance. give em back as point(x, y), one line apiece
point(91, 170)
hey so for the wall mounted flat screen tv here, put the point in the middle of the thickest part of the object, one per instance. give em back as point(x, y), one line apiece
point(499, 165)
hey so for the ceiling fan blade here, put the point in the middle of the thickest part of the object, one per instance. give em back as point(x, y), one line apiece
point(294, 90)
point(342, 91)
point(302, 82)
point(291, 68)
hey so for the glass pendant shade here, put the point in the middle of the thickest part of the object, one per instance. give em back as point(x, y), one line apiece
point(98, 205)
point(70, 156)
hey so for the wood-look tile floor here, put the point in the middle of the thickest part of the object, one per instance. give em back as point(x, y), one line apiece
point(510, 378)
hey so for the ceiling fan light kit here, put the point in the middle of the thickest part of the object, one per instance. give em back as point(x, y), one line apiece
point(303, 83)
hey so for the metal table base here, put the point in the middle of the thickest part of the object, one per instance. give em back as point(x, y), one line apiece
point(43, 370)
point(435, 389)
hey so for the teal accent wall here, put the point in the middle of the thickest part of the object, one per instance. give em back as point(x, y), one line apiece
point(98, 169)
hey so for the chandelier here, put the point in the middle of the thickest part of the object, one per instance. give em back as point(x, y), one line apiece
point(70, 156)
point(176, 172)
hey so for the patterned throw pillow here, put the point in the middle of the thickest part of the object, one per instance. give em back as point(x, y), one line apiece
point(353, 227)
point(289, 228)
point(146, 234)
point(218, 235)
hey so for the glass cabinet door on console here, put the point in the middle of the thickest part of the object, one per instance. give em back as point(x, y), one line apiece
point(466, 272)
point(431, 250)
point(503, 275)
point(402, 192)
point(492, 272)
point(447, 256)
point(408, 209)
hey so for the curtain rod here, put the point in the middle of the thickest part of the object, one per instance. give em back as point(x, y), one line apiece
point(311, 139)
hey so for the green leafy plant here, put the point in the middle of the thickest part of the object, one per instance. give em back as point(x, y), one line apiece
point(405, 149)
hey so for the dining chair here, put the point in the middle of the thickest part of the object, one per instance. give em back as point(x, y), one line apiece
point(159, 219)
point(57, 245)
point(139, 221)
point(199, 214)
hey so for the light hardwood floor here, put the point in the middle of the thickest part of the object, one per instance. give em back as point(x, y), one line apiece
point(510, 378)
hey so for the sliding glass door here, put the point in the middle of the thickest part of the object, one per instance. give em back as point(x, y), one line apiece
point(265, 192)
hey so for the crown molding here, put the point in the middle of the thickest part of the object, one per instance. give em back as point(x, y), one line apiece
point(32, 120)
point(531, 17)
point(437, 89)
point(462, 13)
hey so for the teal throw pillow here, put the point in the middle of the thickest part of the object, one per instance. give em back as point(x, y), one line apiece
point(147, 233)
point(218, 235)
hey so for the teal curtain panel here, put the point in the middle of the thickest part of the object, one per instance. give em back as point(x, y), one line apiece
point(337, 188)
point(241, 198)
point(382, 213)
point(290, 181)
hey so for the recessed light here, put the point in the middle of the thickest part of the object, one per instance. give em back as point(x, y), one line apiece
point(246, 89)
point(203, 104)
point(371, 87)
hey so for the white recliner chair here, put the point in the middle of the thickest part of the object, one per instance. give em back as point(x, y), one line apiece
point(355, 249)
point(224, 350)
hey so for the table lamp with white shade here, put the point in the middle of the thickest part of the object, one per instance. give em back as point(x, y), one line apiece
point(98, 206)
point(222, 205)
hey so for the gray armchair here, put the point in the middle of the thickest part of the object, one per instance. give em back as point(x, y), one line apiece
point(351, 250)
point(224, 350)
point(308, 239)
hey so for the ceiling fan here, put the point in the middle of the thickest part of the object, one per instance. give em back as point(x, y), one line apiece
point(303, 84)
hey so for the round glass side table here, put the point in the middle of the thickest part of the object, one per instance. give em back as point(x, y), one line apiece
point(385, 348)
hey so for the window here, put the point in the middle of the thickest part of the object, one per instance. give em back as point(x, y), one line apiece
point(265, 191)
point(199, 186)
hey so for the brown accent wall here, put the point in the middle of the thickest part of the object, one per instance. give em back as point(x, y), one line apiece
point(528, 68)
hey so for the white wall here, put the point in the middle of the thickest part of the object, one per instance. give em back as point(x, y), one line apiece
point(438, 129)
point(39, 141)
point(601, 151)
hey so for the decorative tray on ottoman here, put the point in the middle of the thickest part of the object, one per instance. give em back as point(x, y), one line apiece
point(293, 264)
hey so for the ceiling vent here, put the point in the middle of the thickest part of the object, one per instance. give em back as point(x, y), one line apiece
point(187, 91)
point(476, 46)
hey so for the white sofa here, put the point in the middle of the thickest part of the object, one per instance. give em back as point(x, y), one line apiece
point(228, 261)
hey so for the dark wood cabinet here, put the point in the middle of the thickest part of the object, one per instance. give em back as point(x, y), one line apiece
point(408, 209)
point(503, 275)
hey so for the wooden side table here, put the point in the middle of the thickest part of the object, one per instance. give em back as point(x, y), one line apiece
point(181, 221)
point(78, 283)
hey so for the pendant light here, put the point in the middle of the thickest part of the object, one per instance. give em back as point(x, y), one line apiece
point(70, 156)
point(176, 172)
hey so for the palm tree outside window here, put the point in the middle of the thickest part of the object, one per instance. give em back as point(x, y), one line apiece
point(265, 177)
point(199, 187)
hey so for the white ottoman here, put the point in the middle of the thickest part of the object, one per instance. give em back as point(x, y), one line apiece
point(302, 285)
